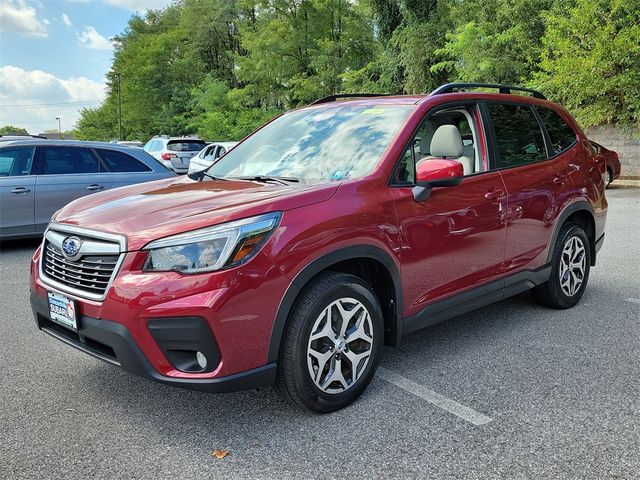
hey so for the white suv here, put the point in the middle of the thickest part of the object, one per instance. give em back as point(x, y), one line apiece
point(174, 152)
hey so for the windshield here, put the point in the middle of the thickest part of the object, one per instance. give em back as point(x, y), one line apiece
point(333, 143)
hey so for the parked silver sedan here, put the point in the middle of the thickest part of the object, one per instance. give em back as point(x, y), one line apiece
point(38, 177)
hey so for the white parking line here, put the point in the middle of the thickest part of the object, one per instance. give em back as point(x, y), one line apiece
point(632, 300)
point(451, 406)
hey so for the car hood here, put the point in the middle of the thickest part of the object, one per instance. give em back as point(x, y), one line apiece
point(148, 211)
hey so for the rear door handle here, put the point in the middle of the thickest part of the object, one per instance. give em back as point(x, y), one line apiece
point(19, 190)
point(494, 195)
point(94, 187)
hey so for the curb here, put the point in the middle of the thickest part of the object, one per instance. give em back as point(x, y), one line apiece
point(620, 184)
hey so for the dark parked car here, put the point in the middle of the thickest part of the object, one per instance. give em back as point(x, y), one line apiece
point(334, 229)
point(612, 162)
point(38, 177)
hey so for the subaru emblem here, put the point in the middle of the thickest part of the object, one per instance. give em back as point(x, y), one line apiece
point(71, 246)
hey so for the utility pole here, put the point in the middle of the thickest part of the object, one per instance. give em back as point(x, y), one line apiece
point(119, 109)
point(59, 128)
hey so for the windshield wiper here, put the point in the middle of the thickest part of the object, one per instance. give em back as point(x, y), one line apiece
point(265, 179)
point(200, 176)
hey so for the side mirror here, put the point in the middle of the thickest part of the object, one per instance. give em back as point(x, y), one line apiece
point(436, 173)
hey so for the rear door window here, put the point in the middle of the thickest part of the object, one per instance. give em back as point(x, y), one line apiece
point(185, 145)
point(519, 139)
point(68, 160)
point(562, 135)
point(117, 161)
point(16, 162)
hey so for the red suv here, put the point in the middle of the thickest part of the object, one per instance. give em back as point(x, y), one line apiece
point(332, 230)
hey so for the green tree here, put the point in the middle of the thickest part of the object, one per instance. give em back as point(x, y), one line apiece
point(11, 130)
point(220, 68)
point(99, 123)
point(496, 41)
point(591, 60)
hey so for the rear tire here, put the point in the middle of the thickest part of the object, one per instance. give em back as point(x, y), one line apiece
point(570, 266)
point(324, 365)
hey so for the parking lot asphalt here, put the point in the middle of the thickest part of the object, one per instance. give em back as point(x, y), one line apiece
point(510, 391)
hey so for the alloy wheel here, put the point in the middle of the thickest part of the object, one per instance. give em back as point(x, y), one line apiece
point(572, 266)
point(340, 345)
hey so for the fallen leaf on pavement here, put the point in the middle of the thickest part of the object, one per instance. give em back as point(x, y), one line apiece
point(220, 454)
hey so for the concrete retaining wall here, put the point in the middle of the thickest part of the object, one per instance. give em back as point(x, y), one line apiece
point(626, 142)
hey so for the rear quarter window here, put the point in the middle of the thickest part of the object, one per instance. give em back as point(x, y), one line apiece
point(117, 161)
point(562, 135)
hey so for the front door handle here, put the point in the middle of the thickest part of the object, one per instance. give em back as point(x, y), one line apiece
point(19, 190)
point(95, 187)
point(494, 194)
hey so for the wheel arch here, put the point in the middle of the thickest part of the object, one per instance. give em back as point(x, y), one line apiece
point(372, 264)
point(581, 213)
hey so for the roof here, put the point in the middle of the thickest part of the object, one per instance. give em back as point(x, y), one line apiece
point(67, 143)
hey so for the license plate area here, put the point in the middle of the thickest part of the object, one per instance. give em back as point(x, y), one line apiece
point(62, 310)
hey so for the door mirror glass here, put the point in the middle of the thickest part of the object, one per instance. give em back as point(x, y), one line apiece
point(439, 172)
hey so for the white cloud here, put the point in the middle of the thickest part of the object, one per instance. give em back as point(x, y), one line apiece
point(139, 5)
point(39, 90)
point(66, 20)
point(90, 38)
point(18, 17)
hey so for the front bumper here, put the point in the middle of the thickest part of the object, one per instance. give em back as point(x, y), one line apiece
point(113, 343)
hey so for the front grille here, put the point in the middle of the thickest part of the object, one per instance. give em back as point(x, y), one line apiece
point(91, 273)
point(88, 274)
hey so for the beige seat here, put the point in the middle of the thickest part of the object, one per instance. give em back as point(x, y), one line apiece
point(447, 143)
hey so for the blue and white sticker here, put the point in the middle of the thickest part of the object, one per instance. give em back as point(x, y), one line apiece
point(62, 310)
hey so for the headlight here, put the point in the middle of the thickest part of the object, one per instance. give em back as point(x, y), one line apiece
point(212, 248)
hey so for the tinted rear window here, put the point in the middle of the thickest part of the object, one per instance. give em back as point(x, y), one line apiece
point(562, 135)
point(121, 162)
point(185, 145)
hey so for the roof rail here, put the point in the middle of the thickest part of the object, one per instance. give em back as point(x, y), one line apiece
point(333, 98)
point(450, 87)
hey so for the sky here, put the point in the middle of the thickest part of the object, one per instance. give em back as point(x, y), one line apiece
point(54, 55)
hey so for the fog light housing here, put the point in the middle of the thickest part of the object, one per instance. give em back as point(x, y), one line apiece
point(202, 360)
point(187, 343)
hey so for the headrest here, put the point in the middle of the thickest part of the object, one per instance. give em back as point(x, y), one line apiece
point(425, 141)
point(447, 142)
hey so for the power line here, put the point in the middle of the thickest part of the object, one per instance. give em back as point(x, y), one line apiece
point(38, 105)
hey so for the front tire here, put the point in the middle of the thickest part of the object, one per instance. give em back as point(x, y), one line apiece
point(570, 266)
point(331, 345)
